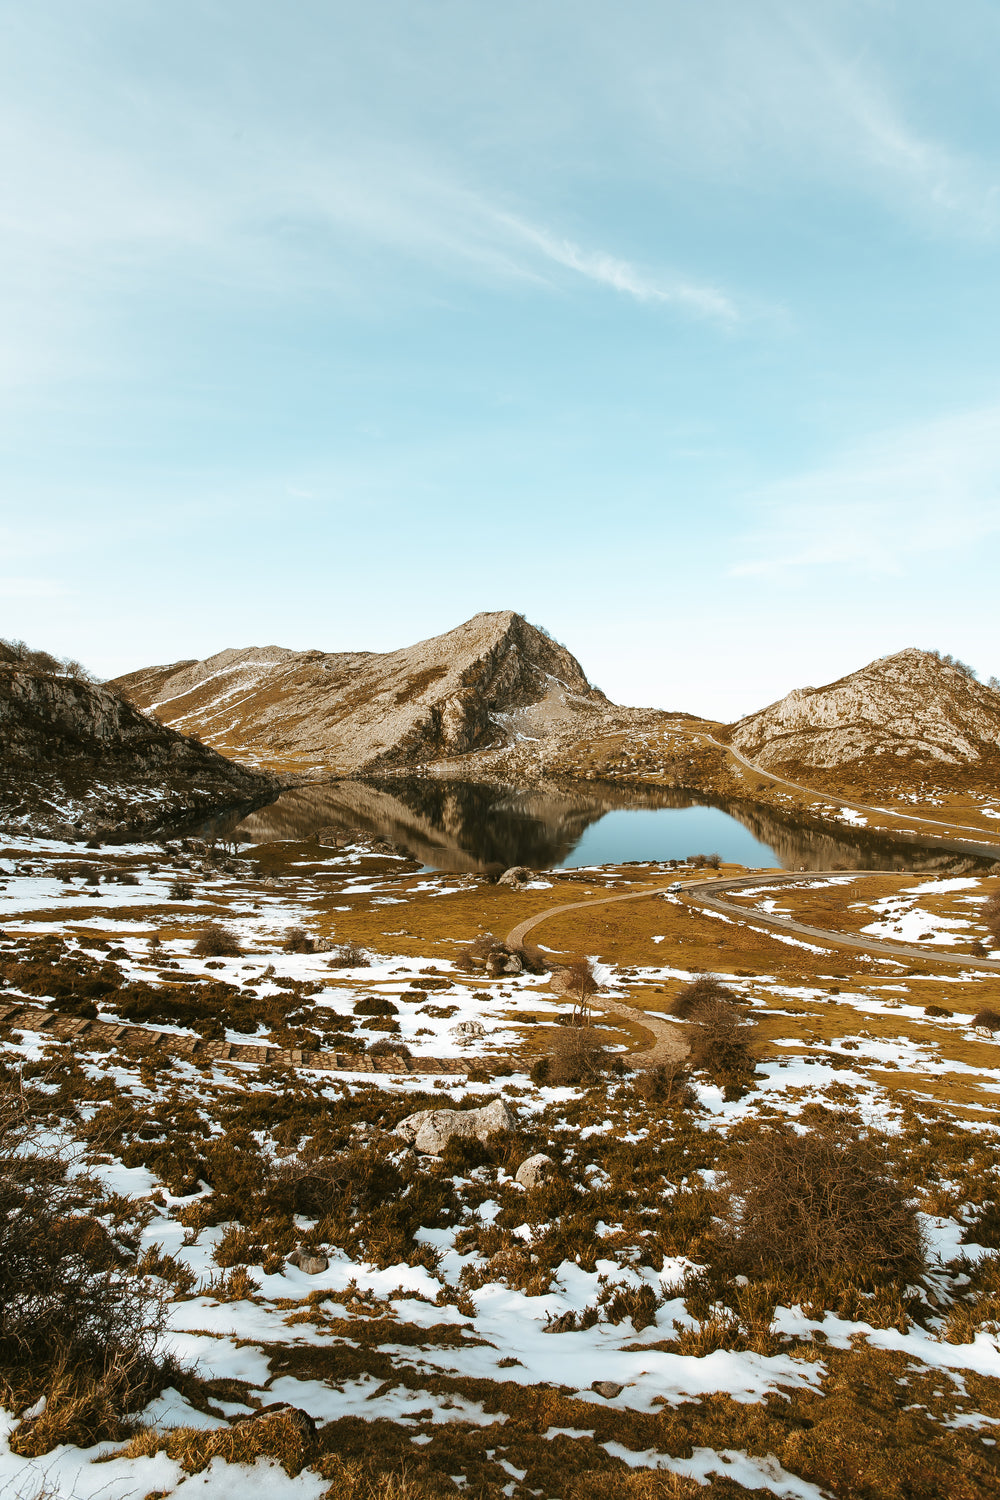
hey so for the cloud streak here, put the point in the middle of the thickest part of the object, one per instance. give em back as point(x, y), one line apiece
point(928, 490)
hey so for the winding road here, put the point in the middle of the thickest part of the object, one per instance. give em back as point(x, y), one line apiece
point(668, 1042)
point(862, 807)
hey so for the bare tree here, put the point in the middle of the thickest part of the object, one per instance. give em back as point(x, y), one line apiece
point(581, 985)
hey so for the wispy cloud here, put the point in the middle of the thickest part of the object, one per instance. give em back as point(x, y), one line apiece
point(622, 276)
point(929, 490)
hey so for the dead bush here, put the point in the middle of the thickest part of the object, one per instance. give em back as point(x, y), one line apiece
point(533, 960)
point(577, 1055)
point(668, 1084)
point(822, 1205)
point(181, 890)
point(217, 942)
point(385, 1048)
point(297, 940)
point(986, 1020)
point(695, 996)
point(991, 916)
point(78, 1322)
point(350, 956)
point(721, 1046)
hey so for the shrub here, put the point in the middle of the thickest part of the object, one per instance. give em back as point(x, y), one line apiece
point(986, 1020)
point(385, 1048)
point(667, 1083)
point(78, 1323)
point(720, 1045)
point(217, 942)
point(181, 890)
point(820, 1205)
point(578, 1055)
point(697, 995)
point(375, 1005)
point(936, 1010)
point(350, 956)
point(297, 940)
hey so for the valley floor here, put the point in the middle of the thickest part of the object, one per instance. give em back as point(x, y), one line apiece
point(457, 1332)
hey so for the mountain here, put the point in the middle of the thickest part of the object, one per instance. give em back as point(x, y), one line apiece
point(489, 682)
point(907, 716)
point(81, 759)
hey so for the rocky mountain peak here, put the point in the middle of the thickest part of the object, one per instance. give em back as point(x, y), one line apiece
point(488, 680)
point(911, 706)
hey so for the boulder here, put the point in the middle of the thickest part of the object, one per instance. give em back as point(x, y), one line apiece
point(516, 877)
point(535, 1170)
point(607, 1388)
point(308, 1263)
point(502, 961)
point(468, 1031)
point(430, 1130)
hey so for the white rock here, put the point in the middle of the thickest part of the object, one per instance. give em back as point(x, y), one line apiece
point(535, 1170)
point(468, 1031)
point(430, 1130)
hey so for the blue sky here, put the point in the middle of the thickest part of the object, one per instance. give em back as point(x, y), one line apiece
point(673, 327)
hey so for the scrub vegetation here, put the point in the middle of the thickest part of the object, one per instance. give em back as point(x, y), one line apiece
point(767, 1265)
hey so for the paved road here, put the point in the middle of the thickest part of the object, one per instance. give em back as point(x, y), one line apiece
point(706, 893)
point(862, 807)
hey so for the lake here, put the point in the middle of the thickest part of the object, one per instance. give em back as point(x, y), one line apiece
point(454, 825)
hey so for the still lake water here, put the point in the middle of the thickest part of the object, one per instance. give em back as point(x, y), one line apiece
point(658, 833)
point(453, 825)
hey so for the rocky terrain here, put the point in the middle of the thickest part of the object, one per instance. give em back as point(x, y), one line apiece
point(79, 759)
point(491, 681)
point(907, 717)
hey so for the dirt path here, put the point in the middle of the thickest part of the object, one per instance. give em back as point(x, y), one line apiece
point(669, 1044)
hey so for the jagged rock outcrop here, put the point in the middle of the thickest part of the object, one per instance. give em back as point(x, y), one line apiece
point(488, 682)
point(911, 708)
point(79, 758)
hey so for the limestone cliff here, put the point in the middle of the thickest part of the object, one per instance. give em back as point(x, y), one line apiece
point(78, 758)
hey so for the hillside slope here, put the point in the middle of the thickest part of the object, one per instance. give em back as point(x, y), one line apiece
point(907, 717)
point(486, 683)
point(80, 759)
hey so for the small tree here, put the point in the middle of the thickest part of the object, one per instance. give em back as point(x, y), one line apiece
point(580, 986)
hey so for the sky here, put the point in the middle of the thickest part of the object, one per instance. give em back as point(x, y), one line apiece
point(672, 327)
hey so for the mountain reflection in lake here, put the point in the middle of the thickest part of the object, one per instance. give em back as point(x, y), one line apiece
point(455, 825)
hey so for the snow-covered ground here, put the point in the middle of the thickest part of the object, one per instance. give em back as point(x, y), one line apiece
point(470, 1331)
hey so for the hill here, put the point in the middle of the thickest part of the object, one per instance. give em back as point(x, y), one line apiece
point(487, 683)
point(80, 759)
point(905, 718)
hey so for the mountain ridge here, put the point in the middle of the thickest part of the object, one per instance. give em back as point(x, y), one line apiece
point(80, 759)
point(487, 680)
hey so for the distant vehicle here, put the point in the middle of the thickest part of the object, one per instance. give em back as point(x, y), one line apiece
point(677, 885)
